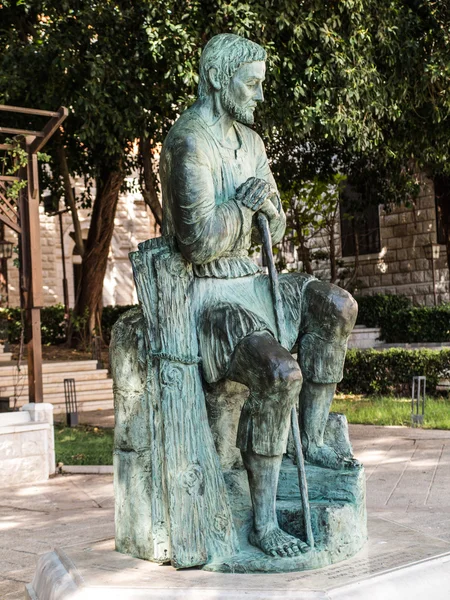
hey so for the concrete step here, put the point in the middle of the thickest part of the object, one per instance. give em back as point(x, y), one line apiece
point(5, 356)
point(58, 388)
point(54, 367)
point(93, 387)
point(85, 406)
point(49, 378)
point(85, 397)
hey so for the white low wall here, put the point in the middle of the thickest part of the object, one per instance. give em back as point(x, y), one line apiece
point(364, 337)
point(27, 447)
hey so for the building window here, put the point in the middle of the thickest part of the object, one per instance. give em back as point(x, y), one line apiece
point(442, 200)
point(360, 229)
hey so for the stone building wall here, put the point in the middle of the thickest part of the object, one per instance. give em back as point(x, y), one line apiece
point(133, 224)
point(401, 266)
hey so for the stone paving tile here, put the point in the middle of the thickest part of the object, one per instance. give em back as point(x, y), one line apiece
point(415, 481)
point(11, 590)
point(408, 483)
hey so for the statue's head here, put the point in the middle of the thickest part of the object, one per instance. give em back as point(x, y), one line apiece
point(233, 67)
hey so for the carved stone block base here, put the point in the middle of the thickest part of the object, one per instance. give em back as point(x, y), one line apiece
point(338, 515)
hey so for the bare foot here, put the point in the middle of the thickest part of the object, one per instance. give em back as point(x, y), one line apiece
point(276, 542)
point(325, 456)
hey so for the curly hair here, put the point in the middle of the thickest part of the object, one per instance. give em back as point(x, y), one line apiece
point(226, 52)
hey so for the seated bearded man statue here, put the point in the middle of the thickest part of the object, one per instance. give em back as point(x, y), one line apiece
point(215, 178)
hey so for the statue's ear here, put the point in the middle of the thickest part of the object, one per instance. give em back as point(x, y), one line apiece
point(214, 78)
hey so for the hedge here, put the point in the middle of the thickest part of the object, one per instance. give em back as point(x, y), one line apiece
point(52, 323)
point(418, 324)
point(391, 371)
point(373, 309)
point(400, 322)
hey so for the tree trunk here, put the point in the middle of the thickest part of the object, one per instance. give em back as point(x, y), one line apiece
point(305, 257)
point(333, 269)
point(352, 281)
point(148, 186)
point(89, 299)
point(442, 193)
point(69, 195)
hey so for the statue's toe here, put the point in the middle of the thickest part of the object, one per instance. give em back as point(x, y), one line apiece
point(277, 542)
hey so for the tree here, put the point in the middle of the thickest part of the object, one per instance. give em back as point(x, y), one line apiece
point(120, 67)
point(357, 87)
point(312, 210)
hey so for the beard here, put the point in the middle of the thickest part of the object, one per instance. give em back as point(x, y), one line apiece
point(240, 113)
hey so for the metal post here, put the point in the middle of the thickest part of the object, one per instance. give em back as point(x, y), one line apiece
point(65, 287)
point(419, 384)
point(434, 277)
point(70, 398)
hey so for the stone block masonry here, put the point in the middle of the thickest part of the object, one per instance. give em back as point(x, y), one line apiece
point(401, 266)
point(402, 261)
point(27, 445)
point(133, 224)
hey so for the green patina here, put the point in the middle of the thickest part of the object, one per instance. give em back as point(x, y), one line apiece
point(184, 492)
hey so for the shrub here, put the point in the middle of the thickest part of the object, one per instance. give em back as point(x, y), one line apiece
point(110, 314)
point(52, 323)
point(373, 309)
point(391, 371)
point(418, 324)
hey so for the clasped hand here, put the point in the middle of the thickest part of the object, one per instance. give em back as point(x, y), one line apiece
point(256, 194)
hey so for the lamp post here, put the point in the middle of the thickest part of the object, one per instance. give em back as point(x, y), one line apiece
point(6, 250)
point(432, 251)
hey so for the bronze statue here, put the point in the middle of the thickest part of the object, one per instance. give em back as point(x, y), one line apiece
point(215, 177)
point(207, 315)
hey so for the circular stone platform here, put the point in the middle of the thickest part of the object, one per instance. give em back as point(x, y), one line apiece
point(397, 563)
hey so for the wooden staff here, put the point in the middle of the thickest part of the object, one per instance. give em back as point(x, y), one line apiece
point(266, 238)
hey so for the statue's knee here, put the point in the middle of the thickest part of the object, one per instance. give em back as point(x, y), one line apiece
point(284, 377)
point(345, 310)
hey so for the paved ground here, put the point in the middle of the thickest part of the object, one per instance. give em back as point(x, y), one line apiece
point(408, 483)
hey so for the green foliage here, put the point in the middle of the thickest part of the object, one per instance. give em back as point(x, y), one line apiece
point(360, 84)
point(110, 314)
point(312, 210)
point(53, 326)
point(391, 371)
point(373, 309)
point(417, 324)
point(388, 411)
point(83, 445)
point(402, 323)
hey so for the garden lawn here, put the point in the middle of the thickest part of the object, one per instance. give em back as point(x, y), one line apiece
point(83, 445)
point(86, 445)
point(373, 410)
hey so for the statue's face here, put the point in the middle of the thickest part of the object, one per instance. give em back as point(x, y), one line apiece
point(244, 90)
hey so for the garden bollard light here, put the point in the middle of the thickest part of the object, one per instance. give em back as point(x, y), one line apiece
point(418, 394)
point(70, 396)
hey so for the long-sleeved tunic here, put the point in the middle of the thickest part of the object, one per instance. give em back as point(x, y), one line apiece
point(199, 180)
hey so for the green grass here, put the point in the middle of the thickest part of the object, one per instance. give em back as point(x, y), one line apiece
point(372, 410)
point(83, 445)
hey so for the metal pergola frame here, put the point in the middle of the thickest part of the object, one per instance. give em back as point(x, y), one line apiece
point(24, 220)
